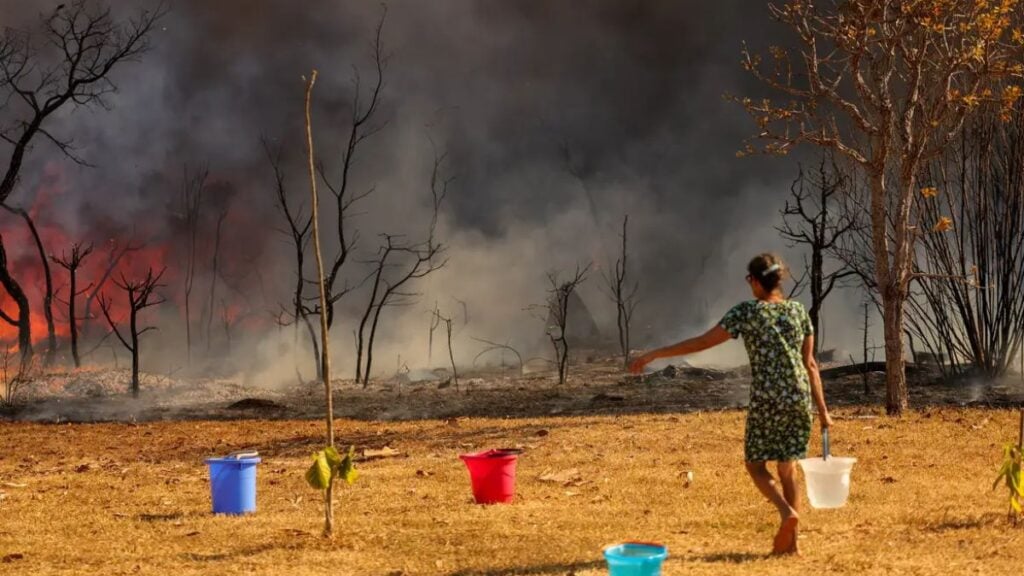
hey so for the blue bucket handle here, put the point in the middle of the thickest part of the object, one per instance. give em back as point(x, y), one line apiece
point(824, 443)
point(240, 454)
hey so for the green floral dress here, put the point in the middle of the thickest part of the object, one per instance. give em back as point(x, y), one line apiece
point(779, 418)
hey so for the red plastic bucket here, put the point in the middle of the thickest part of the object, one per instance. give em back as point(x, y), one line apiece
point(493, 475)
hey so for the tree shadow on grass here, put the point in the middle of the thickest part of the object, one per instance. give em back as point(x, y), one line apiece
point(967, 523)
point(160, 517)
point(243, 552)
point(728, 558)
point(566, 568)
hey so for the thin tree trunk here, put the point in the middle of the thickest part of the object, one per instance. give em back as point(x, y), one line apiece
point(316, 346)
point(451, 354)
point(325, 348)
point(817, 288)
point(369, 345)
point(213, 279)
point(72, 319)
point(135, 352)
point(864, 361)
point(366, 316)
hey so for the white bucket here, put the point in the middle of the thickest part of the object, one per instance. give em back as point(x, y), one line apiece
point(828, 481)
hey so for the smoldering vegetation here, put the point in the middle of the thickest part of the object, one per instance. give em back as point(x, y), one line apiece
point(511, 138)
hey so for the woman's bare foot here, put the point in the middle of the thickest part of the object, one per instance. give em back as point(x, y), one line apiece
point(785, 538)
point(794, 550)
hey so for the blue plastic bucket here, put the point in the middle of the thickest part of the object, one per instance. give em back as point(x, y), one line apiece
point(233, 484)
point(635, 559)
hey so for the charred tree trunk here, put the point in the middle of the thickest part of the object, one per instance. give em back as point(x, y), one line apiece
point(817, 266)
point(864, 372)
point(134, 329)
point(71, 264)
point(24, 318)
point(374, 291)
point(51, 333)
point(316, 345)
point(451, 353)
point(369, 344)
point(72, 318)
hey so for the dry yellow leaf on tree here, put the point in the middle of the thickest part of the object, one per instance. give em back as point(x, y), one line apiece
point(944, 223)
point(929, 192)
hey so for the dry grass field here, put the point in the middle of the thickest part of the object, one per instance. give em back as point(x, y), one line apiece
point(133, 499)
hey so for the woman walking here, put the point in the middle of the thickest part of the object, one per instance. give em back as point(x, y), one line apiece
point(779, 340)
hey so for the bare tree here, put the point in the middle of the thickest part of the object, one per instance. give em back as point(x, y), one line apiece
point(192, 187)
point(414, 261)
point(72, 263)
point(558, 311)
point(813, 219)
point(141, 295)
point(298, 231)
point(622, 292)
point(36, 82)
point(888, 84)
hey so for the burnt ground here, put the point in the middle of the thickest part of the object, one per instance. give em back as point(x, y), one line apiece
point(599, 387)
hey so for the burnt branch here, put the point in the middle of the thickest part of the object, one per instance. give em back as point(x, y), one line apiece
point(495, 347)
point(90, 44)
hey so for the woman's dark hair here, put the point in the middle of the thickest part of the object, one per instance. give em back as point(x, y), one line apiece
point(768, 269)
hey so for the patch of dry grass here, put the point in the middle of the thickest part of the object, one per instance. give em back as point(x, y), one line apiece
point(133, 499)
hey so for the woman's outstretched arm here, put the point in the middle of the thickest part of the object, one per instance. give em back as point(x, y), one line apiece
point(709, 339)
point(817, 392)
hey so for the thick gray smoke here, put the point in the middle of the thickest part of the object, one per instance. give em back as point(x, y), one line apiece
point(633, 92)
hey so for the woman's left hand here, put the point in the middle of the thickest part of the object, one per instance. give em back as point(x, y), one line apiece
point(825, 419)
